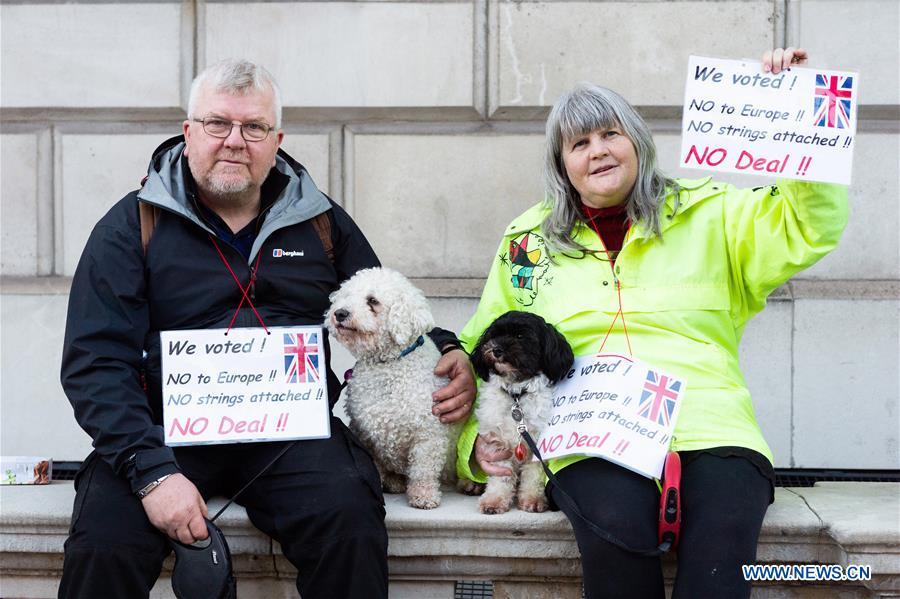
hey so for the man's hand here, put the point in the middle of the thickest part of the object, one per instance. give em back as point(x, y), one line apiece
point(176, 508)
point(453, 402)
point(487, 453)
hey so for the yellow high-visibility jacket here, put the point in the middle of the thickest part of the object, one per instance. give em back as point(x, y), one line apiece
point(686, 297)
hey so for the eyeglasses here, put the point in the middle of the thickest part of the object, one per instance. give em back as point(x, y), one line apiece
point(218, 127)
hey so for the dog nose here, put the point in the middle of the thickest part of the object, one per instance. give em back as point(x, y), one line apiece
point(341, 315)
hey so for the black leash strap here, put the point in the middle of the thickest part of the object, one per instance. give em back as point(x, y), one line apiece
point(606, 536)
point(252, 480)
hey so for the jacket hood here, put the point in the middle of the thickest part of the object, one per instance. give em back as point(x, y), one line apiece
point(693, 191)
point(165, 186)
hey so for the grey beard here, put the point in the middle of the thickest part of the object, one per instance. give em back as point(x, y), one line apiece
point(224, 189)
point(220, 188)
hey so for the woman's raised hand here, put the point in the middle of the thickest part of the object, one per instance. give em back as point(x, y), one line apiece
point(777, 60)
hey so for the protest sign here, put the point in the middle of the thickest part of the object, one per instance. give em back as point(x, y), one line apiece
point(616, 408)
point(248, 385)
point(798, 124)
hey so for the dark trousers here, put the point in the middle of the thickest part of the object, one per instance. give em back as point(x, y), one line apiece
point(724, 500)
point(321, 501)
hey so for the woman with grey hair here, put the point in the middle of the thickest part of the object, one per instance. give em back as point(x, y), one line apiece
point(623, 258)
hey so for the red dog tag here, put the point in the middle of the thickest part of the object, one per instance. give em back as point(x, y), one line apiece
point(520, 452)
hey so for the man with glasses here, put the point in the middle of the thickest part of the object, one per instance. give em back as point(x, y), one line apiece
point(226, 202)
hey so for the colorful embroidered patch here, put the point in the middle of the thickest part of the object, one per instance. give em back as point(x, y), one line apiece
point(528, 263)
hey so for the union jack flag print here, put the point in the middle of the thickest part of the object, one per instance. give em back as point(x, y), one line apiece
point(658, 398)
point(301, 357)
point(833, 103)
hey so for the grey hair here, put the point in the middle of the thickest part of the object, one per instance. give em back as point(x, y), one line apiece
point(236, 77)
point(587, 108)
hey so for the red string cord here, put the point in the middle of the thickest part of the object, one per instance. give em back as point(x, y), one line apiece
point(241, 287)
point(618, 294)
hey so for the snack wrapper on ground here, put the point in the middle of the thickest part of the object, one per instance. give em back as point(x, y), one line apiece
point(25, 470)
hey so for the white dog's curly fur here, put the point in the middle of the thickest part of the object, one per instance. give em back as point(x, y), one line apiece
point(377, 315)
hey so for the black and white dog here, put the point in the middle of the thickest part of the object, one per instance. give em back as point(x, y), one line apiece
point(520, 356)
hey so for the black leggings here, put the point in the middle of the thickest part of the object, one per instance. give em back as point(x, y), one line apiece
point(724, 500)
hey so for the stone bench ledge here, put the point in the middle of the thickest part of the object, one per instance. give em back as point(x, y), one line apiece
point(831, 523)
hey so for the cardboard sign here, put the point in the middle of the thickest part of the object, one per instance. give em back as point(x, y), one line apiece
point(616, 408)
point(244, 386)
point(798, 124)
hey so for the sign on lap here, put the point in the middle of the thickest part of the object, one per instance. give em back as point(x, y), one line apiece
point(616, 408)
point(244, 386)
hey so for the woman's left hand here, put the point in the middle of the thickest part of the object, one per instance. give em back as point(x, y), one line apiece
point(453, 402)
point(777, 60)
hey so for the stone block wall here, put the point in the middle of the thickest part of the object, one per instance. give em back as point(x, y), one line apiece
point(424, 119)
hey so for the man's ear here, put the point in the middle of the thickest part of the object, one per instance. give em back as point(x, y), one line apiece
point(186, 130)
point(279, 138)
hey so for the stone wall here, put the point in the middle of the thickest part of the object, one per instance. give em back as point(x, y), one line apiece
point(424, 120)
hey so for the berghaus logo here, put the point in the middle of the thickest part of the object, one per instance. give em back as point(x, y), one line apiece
point(280, 253)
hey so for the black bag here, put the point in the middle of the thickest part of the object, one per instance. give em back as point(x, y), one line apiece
point(203, 569)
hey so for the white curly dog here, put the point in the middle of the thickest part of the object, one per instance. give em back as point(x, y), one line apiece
point(383, 319)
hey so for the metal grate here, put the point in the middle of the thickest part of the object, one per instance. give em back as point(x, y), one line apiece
point(784, 477)
point(797, 477)
point(474, 589)
point(65, 470)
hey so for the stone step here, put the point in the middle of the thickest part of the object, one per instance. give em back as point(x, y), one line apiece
point(525, 555)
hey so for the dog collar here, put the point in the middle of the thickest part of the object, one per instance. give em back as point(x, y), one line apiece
point(417, 343)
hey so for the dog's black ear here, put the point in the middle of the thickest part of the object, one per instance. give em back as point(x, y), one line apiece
point(479, 363)
point(556, 354)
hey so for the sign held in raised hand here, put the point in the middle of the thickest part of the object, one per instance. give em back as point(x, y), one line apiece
point(798, 124)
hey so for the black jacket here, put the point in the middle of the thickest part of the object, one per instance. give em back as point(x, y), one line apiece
point(121, 299)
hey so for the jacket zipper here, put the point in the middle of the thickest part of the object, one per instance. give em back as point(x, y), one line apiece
point(259, 220)
point(612, 267)
point(253, 271)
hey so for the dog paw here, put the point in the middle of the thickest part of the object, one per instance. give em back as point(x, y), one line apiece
point(425, 503)
point(493, 505)
point(532, 504)
point(424, 497)
point(469, 487)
